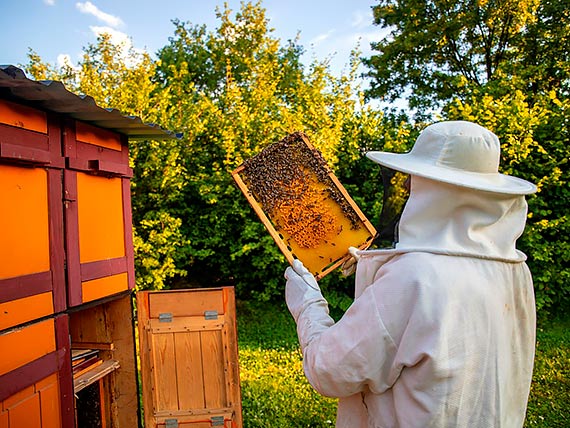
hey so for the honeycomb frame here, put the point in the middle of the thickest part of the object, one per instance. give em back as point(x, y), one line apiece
point(302, 204)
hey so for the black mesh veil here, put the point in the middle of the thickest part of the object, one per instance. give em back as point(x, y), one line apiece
point(396, 193)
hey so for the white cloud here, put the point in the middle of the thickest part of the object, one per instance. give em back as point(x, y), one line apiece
point(90, 9)
point(64, 60)
point(361, 19)
point(322, 37)
point(117, 37)
point(49, 2)
point(120, 39)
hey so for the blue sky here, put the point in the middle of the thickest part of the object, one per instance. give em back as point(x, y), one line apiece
point(61, 28)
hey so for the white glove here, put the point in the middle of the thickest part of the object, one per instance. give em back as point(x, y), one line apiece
point(349, 266)
point(301, 289)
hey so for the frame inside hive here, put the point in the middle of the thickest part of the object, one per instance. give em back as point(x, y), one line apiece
point(302, 204)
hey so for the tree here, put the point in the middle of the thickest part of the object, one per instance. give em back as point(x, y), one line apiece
point(232, 92)
point(437, 46)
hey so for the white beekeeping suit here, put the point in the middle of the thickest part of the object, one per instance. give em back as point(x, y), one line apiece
point(442, 329)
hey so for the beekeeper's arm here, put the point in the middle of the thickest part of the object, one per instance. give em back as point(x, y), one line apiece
point(344, 358)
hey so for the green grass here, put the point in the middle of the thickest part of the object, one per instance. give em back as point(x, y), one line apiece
point(549, 400)
point(276, 393)
point(274, 389)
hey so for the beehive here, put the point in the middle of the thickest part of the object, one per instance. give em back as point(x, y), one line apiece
point(302, 204)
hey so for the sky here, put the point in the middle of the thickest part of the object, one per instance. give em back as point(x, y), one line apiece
point(60, 29)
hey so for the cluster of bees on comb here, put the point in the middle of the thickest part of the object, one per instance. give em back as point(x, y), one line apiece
point(291, 182)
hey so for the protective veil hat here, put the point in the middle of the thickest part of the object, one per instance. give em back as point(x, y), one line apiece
point(456, 152)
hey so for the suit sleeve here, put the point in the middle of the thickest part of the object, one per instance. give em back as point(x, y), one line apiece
point(355, 354)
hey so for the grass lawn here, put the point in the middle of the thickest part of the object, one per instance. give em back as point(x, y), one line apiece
point(275, 392)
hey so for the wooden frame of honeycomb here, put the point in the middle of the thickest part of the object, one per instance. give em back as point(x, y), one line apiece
point(302, 204)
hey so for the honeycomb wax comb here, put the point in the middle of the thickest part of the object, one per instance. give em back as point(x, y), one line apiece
point(302, 204)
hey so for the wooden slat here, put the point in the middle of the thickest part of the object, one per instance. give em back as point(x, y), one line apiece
point(56, 235)
point(24, 286)
point(145, 352)
point(65, 374)
point(164, 372)
point(182, 324)
point(49, 402)
point(232, 357)
point(103, 287)
point(101, 268)
point(19, 153)
point(97, 136)
point(94, 375)
point(213, 363)
point(128, 228)
point(21, 116)
point(32, 342)
point(189, 371)
point(73, 270)
point(193, 414)
point(27, 309)
point(176, 302)
point(93, 345)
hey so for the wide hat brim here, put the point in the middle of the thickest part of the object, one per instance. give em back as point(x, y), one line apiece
point(489, 182)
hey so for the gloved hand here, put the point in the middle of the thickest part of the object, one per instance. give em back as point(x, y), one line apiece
point(301, 289)
point(349, 267)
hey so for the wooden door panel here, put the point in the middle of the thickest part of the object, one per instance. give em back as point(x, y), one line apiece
point(190, 370)
point(189, 357)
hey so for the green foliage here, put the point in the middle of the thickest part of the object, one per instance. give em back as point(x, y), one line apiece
point(232, 92)
point(504, 64)
point(157, 243)
point(434, 45)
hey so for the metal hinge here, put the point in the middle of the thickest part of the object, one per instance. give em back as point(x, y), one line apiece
point(165, 317)
point(171, 423)
point(217, 421)
point(211, 315)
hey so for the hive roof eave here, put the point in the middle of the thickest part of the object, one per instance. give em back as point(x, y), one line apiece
point(53, 96)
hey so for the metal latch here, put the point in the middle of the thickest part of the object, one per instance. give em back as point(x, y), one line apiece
point(211, 315)
point(217, 421)
point(171, 423)
point(165, 317)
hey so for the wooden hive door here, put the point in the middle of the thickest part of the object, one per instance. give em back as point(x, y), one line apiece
point(189, 359)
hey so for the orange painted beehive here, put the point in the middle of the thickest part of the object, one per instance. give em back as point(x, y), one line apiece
point(67, 323)
point(65, 241)
point(305, 208)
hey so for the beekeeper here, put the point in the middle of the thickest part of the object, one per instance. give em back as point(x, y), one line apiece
point(442, 330)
